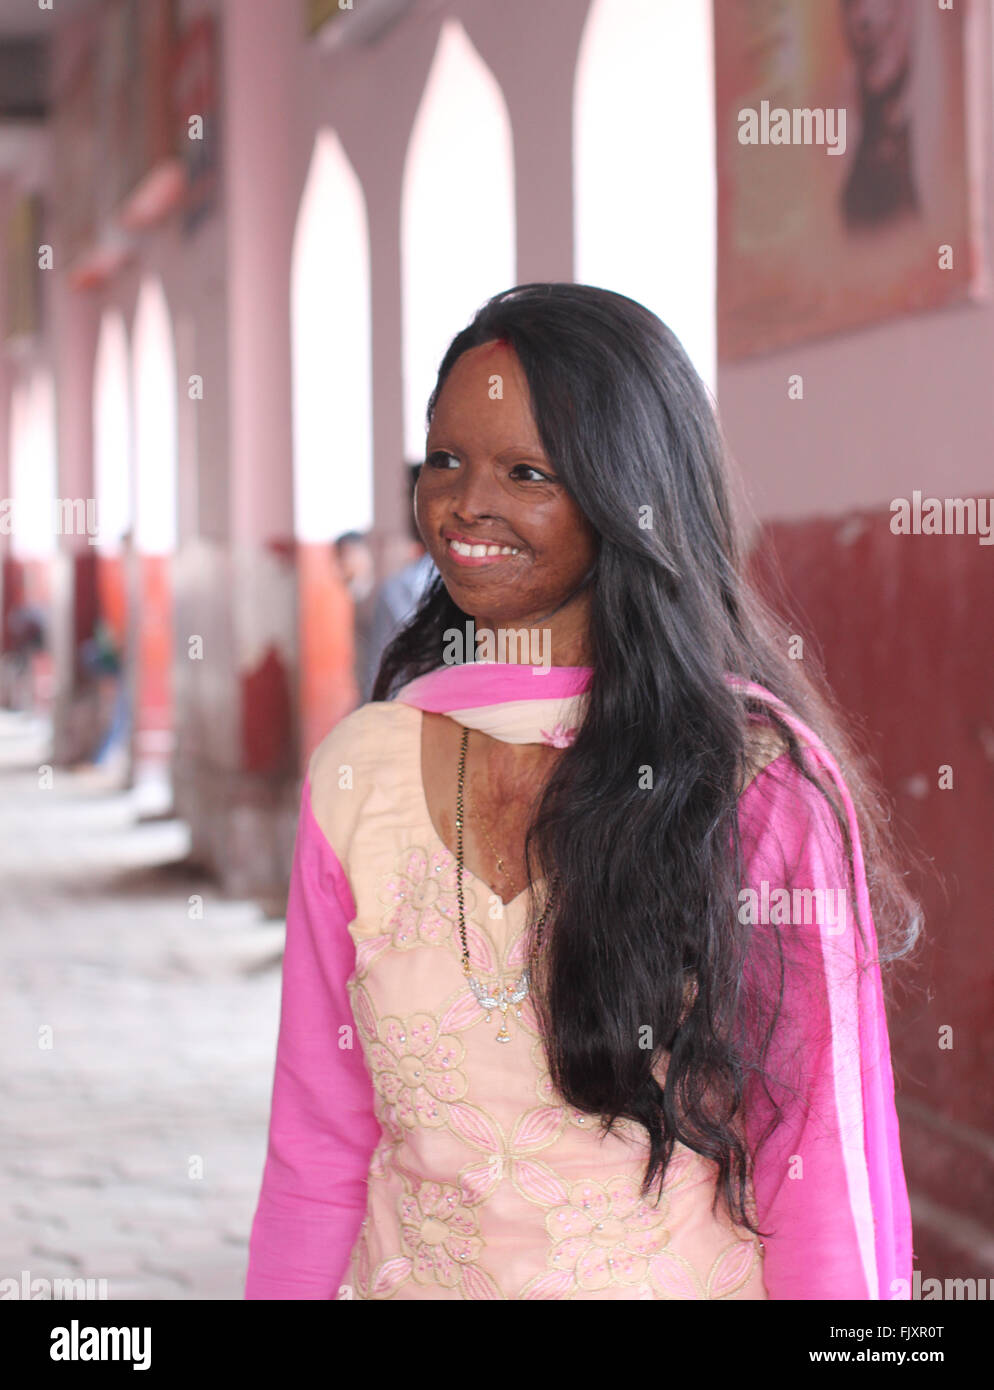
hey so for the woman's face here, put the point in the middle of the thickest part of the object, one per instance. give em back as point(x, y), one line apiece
point(487, 482)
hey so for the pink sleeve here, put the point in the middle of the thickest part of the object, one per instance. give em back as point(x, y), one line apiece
point(829, 1182)
point(322, 1129)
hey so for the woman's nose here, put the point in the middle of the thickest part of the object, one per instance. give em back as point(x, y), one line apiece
point(476, 492)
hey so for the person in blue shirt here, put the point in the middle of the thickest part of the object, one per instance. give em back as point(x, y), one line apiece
point(397, 599)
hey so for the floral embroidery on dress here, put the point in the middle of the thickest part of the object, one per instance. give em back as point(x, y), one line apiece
point(603, 1234)
point(560, 736)
point(674, 1277)
point(415, 1071)
point(507, 1157)
point(421, 895)
point(439, 1234)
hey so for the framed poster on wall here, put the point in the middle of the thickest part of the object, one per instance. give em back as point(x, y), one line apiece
point(845, 190)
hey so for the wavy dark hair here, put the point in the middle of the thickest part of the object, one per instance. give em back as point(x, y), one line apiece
point(649, 878)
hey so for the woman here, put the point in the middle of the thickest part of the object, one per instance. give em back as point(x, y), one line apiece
point(581, 995)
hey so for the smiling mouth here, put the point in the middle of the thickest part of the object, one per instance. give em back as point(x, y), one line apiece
point(465, 553)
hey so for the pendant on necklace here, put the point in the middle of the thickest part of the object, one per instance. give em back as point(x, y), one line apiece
point(502, 1000)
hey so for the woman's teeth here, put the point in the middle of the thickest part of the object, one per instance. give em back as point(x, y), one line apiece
point(476, 552)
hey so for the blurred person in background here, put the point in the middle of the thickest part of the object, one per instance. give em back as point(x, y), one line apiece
point(358, 572)
point(27, 629)
point(105, 657)
point(399, 594)
point(105, 663)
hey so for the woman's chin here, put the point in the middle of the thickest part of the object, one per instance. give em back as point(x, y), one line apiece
point(483, 592)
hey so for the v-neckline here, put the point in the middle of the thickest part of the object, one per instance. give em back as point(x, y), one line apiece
point(426, 814)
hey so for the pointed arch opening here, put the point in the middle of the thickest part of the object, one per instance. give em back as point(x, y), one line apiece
point(33, 467)
point(31, 554)
point(644, 164)
point(154, 367)
point(112, 434)
point(331, 350)
point(155, 524)
point(331, 345)
point(457, 214)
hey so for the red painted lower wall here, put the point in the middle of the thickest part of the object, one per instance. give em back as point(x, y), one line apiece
point(155, 643)
point(328, 689)
point(906, 628)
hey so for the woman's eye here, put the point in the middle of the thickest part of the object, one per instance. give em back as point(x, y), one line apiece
point(442, 461)
point(536, 477)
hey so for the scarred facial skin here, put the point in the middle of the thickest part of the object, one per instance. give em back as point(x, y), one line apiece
point(487, 481)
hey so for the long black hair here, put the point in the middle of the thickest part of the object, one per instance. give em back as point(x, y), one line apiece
point(644, 929)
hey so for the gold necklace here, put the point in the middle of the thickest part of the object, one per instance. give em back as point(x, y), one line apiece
point(502, 999)
point(500, 863)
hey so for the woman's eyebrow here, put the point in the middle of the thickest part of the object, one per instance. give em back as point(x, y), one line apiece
point(525, 450)
point(531, 451)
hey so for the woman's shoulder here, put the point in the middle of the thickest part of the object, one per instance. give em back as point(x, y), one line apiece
point(765, 743)
point(768, 745)
point(366, 735)
point(782, 804)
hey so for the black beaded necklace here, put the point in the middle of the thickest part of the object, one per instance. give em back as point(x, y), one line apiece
point(504, 998)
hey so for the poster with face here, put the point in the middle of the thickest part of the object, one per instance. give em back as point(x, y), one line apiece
point(844, 170)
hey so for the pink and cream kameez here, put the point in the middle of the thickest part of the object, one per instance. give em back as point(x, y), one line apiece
point(411, 1156)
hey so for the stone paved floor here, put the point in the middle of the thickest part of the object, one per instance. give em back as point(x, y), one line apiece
point(162, 1037)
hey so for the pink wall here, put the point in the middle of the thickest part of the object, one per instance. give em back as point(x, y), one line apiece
point(898, 406)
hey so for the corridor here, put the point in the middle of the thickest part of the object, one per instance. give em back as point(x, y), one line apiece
point(239, 240)
point(137, 1040)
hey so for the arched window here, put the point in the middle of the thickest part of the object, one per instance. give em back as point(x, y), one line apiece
point(457, 215)
point(112, 434)
point(155, 422)
point(331, 348)
point(155, 528)
point(644, 163)
point(33, 469)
